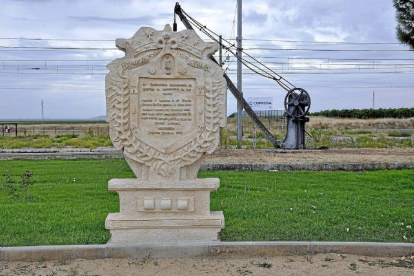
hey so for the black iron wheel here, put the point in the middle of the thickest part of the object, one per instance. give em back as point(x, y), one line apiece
point(300, 100)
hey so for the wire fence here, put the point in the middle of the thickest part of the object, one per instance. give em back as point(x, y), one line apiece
point(274, 120)
point(274, 115)
point(56, 130)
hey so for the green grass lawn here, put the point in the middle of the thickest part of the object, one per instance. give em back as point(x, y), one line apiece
point(69, 201)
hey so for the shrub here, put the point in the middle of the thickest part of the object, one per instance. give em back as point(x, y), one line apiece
point(18, 190)
point(399, 134)
point(367, 113)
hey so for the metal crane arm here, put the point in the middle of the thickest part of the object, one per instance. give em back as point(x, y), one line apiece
point(236, 93)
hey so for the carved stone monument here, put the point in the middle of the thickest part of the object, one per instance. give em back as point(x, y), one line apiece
point(166, 103)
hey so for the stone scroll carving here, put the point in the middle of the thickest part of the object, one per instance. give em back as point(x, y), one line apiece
point(166, 101)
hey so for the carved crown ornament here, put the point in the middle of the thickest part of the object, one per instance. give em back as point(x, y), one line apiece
point(165, 101)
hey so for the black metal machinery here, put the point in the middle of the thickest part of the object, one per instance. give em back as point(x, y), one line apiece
point(297, 100)
point(297, 104)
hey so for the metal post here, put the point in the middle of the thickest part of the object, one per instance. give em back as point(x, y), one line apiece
point(297, 134)
point(16, 129)
point(2, 127)
point(239, 74)
point(220, 51)
point(373, 99)
point(42, 112)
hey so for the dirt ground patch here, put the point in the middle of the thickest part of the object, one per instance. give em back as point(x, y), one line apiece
point(325, 156)
point(320, 264)
point(318, 122)
point(349, 123)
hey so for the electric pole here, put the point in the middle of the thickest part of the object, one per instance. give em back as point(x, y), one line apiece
point(239, 74)
point(373, 99)
point(43, 118)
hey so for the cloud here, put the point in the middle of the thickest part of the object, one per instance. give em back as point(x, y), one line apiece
point(31, 1)
point(137, 21)
point(305, 20)
point(255, 18)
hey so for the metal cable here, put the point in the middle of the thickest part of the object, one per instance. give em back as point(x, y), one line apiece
point(231, 36)
point(279, 79)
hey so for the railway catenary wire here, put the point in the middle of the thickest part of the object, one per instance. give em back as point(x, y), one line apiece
point(230, 38)
point(285, 84)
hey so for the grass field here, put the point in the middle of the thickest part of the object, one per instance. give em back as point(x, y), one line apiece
point(62, 141)
point(39, 123)
point(68, 203)
point(326, 138)
point(326, 132)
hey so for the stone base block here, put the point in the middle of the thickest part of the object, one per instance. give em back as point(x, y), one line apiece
point(164, 231)
point(154, 213)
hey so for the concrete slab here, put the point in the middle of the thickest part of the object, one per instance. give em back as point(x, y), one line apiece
point(198, 250)
point(190, 250)
point(373, 249)
point(53, 252)
point(259, 249)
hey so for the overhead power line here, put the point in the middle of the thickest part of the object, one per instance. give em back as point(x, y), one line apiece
point(47, 60)
point(274, 65)
point(335, 73)
point(266, 72)
point(326, 42)
point(316, 72)
point(30, 48)
point(328, 59)
point(51, 88)
point(328, 50)
point(231, 38)
point(246, 87)
point(55, 39)
point(355, 83)
point(264, 57)
point(57, 48)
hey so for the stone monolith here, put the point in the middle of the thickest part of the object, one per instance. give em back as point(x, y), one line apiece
point(166, 103)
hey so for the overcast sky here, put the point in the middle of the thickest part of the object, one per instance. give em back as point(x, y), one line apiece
point(71, 82)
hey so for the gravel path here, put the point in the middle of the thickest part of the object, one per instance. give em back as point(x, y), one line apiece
point(309, 156)
point(254, 160)
point(229, 156)
point(320, 264)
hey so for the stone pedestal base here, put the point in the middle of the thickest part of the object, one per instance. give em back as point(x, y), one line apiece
point(151, 212)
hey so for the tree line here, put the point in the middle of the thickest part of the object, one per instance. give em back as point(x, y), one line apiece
point(367, 113)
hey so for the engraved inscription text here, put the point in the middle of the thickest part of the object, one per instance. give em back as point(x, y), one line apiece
point(166, 106)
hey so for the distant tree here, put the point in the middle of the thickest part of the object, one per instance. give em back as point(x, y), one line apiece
point(367, 113)
point(405, 18)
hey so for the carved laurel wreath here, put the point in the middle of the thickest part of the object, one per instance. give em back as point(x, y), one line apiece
point(118, 108)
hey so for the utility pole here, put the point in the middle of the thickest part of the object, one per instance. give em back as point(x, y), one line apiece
point(43, 118)
point(239, 74)
point(373, 99)
point(221, 65)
